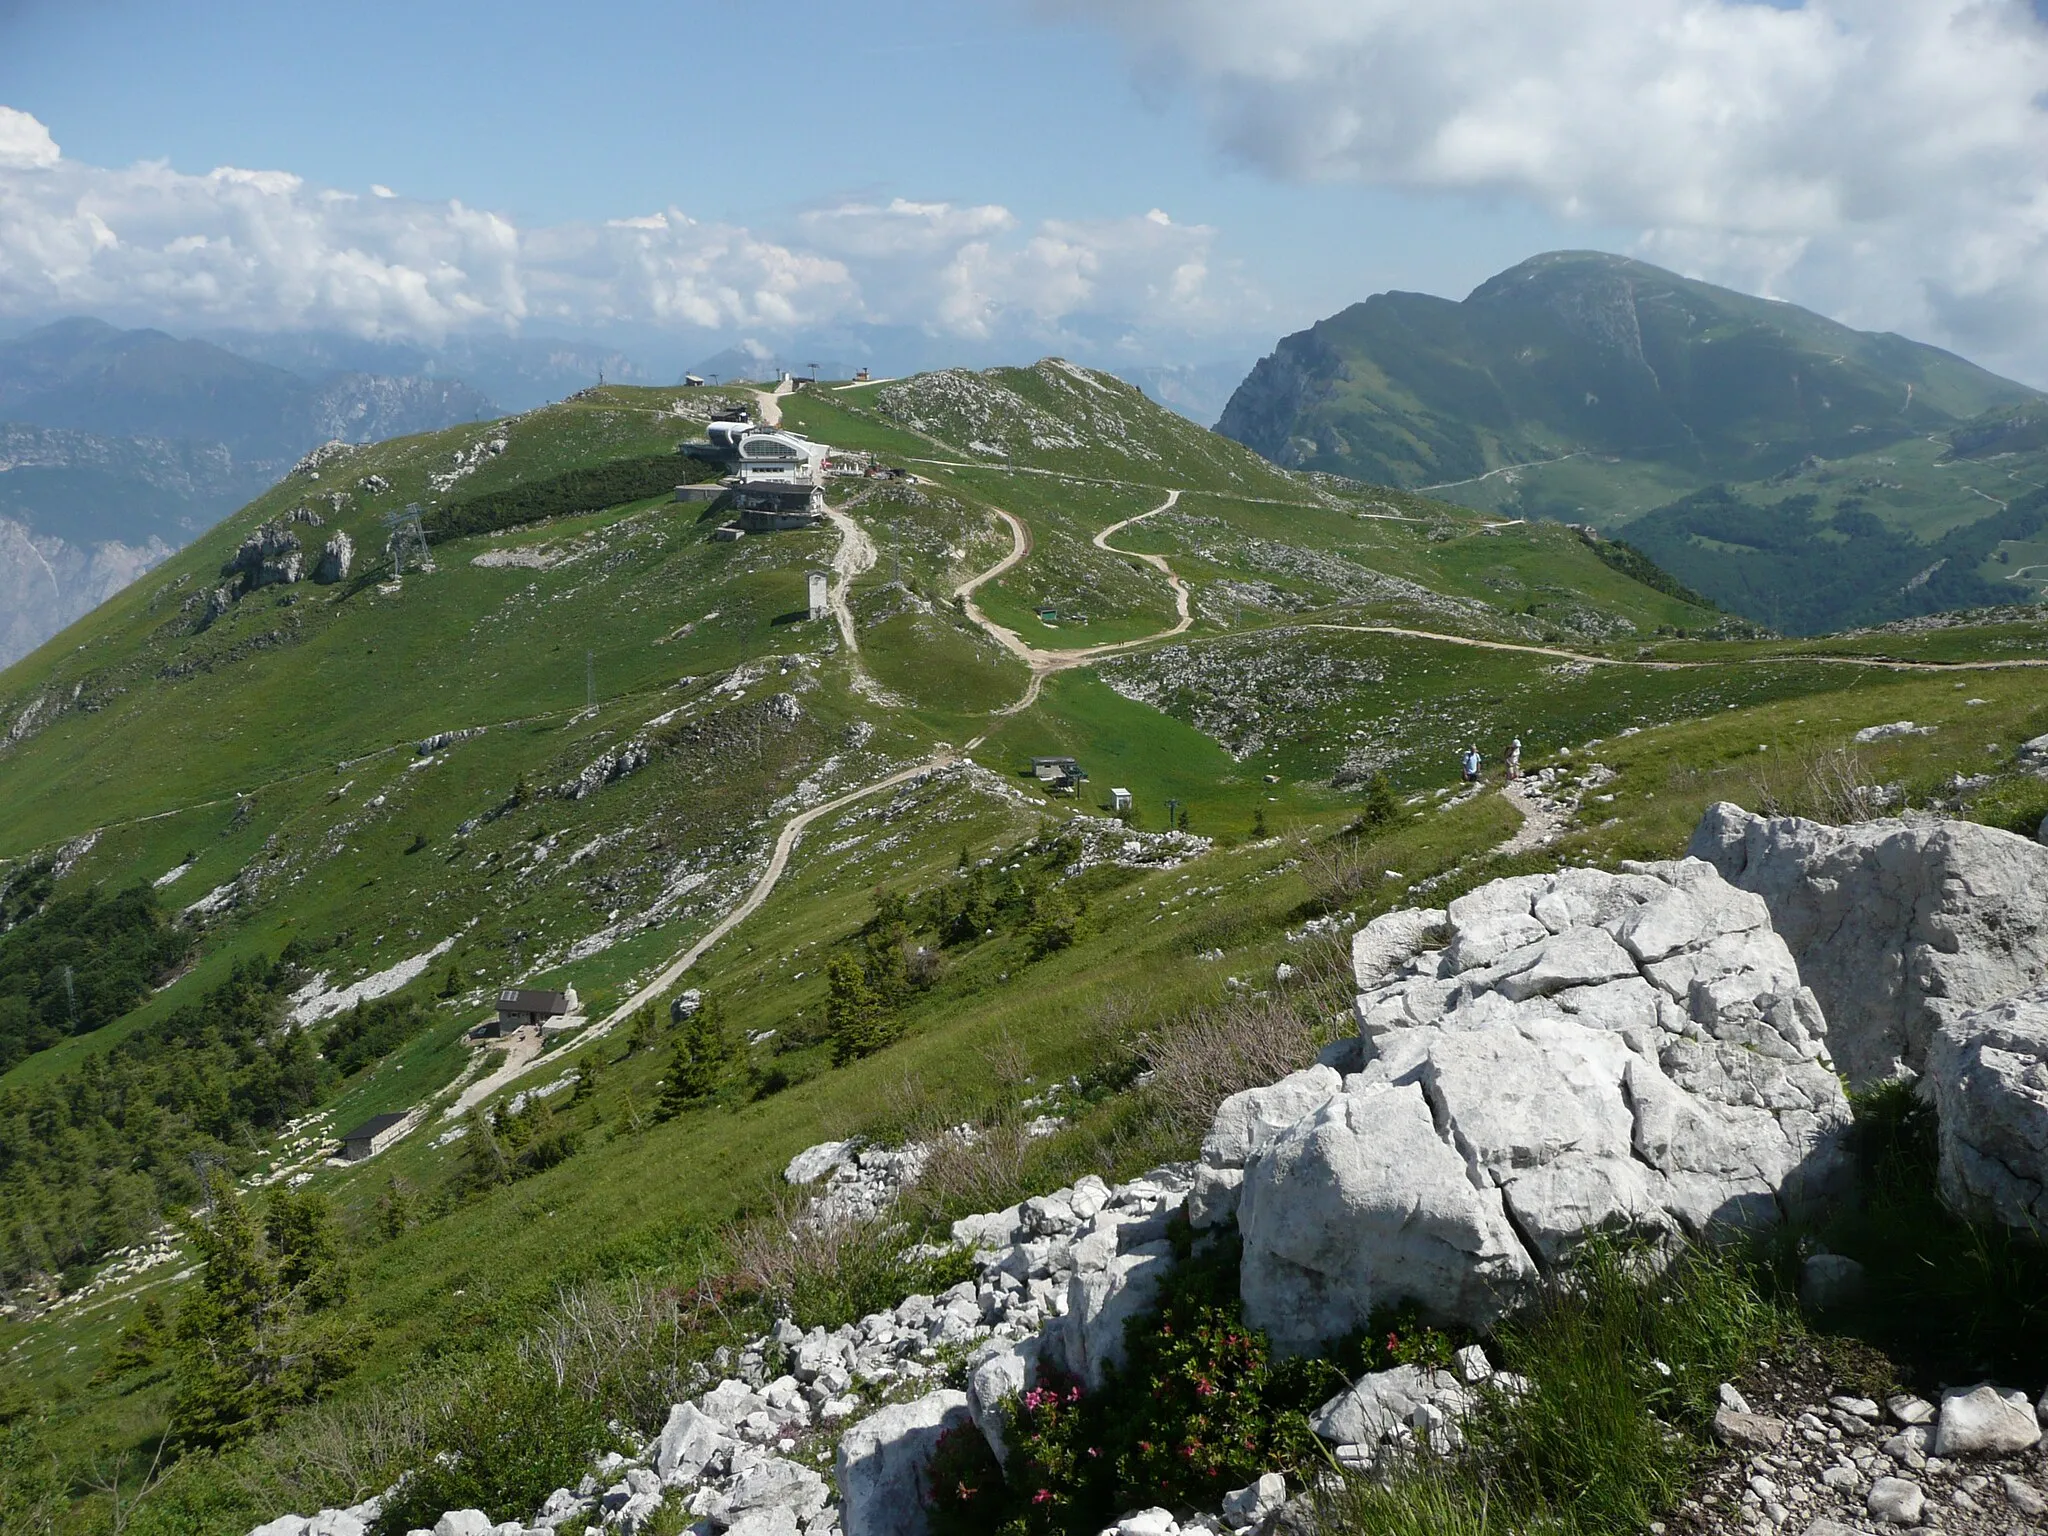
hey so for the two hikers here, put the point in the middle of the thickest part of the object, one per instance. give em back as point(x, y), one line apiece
point(1468, 762)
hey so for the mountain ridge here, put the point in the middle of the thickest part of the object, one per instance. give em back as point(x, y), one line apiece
point(1596, 388)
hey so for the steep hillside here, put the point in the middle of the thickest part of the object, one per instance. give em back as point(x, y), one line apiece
point(300, 833)
point(1590, 388)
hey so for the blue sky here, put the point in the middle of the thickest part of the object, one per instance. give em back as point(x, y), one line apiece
point(985, 174)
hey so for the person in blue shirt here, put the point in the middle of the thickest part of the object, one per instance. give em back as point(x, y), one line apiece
point(1471, 765)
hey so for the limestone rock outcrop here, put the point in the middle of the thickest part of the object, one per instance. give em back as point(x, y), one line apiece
point(881, 1462)
point(1587, 1051)
point(1987, 1074)
point(1898, 925)
point(335, 559)
point(269, 557)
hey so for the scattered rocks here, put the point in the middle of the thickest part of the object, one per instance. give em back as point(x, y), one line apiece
point(1982, 1420)
point(268, 557)
point(1250, 1505)
point(1891, 732)
point(1379, 1419)
point(1896, 1501)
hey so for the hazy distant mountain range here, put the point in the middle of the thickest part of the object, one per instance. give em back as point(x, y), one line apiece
point(1797, 471)
point(116, 447)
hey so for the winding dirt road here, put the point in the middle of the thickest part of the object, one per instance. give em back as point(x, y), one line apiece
point(778, 861)
point(1043, 663)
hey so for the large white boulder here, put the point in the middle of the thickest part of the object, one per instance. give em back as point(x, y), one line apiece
point(774, 1483)
point(1588, 1051)
point(1106, 1290)
point(1983, 1421)
point(1000, 1376)
point(687, 1441)
point(1898, 925)
point(1988, 1076)
point(881, 1464)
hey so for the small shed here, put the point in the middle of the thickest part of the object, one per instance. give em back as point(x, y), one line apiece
point(518, 1007)
point(1119, 800)
point(692, 380)
point(371, 1137)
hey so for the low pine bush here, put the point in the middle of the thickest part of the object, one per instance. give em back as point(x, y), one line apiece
point(499, 1438)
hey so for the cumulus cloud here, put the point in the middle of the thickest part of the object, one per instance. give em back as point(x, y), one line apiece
point(25, 144)
point(265, 250)
point(1885, 160)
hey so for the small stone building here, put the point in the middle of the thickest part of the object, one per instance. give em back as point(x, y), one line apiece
point(519, 1007)
point(371, 1137)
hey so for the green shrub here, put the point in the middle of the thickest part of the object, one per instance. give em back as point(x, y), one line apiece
point(2016, 804)
point(964, 1486)
point(1199, 1407)
point(590, 489)
point(499, 1438)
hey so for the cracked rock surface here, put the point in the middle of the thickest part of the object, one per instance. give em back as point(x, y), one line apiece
point(1987, 1073)
point(1586, 1051)
point(1899, 925)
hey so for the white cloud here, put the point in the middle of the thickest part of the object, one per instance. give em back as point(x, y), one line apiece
point(262, 249)
point(25, 144)
point(1885, 160)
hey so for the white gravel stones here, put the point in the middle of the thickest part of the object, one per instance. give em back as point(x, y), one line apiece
point(2023, 1496)
point(1588, 1051)
point(773, 1483)
point(813, 1163)
point(881, 1462)
point(1908, 1409)
point(1898, 924)
point(1250, 1505)
point(1896, 1501)
point(1988, 1071)
point(463, 1522)
point(1983, 1421)
point(1393, 1407)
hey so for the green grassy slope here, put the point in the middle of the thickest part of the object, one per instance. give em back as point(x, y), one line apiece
point(274, 758)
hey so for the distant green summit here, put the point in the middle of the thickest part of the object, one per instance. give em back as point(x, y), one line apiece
point(1589, 387)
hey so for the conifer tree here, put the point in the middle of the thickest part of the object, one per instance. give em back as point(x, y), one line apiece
point(855, 1018)
point(705, 1053)
point(247, 1345)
